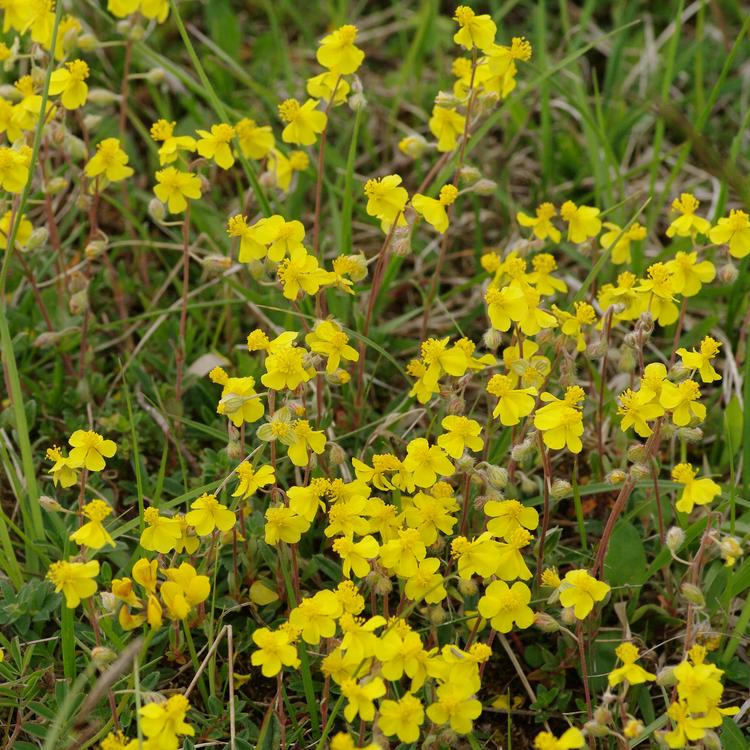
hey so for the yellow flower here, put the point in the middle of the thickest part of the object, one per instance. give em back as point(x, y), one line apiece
point(697, 491)
point(627, 653)
point(687, 224)
point(285, 368)
point(509, 562)
point(184, 590)
point(541, 277)
point(90, 449)
point(508, 516)
point(156, 10)
point(503, 606)
point(304, 439)
point(216, 144)
point(360, 697)
point(315, 617)
point(208, 514)
point(698, 683)
point(93, 534)
point(402, 554)
point(304, 121)
point(386, 200)
point(276, 649)
point(433, 210)
point(356, 556)
point(328, 86)
point(252, 479)
point(475, 31)
point(621, 249)
point(571, 739)
point(74, 579)
point(426, 462)
point(144, 573)
point(14, 170)
point(64, 471)
point(123, 8)
point(23, 234)
point(446, 124)
point(637, 409)
point(402, 718)
point(461, 433)
point(174, 187)
point(161, 533)
point(478, 556)
point(504, 306)
point(70, 82)
point(239, 400)
point(688, 275)
point(455, 705)
point(283, 524)
point(583, 221)
point(281, 169)
point(300, 271)
point(163, 131)
point(512, 403)
point(579, 590)
point(701, 360)
point(561, 422)
point(328, 339)
point(109, 160)
point(426, 583)
point(541, 224)
point(338, 53)
point(256, 141)
point(686, 727)
point(163, 723)
point(682, 401)
point(733, 230)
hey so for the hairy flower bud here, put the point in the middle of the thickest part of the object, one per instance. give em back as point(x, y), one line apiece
point(467, 586)
point(55, 185)
point(38, 238)
point(492, 338)
point(728, 273)
point(483, 187)
point(156, 210)
point(675, 539)
point(336, 455)
point(665, 677)
point(693, 594)
point(156, 76)
point(102, 97)
point(102, 656)
point(637, 453)
point(87, 42)
point(497, 476)
point(639, 471)
point(94, 249)
point(50, 504)
point(616, 476)
point(690, 434)
point(626, 361)
point(546, 623)
point(560, 488)
point(568, 616)
point(436, 615)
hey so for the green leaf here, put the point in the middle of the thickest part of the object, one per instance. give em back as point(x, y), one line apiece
point(731, 736)
point(625, 562)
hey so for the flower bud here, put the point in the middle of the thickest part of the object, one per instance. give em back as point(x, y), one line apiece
point(456, 405)
point(626, 361)
point(596, 349)
point(38, 238)
point(465, 463)
point(665, 677)
point(216, 263)
point(637, 453)
point(693, 594)
point(602, 715)
point(336, 455)
point(546, 623)
point(78, 302)
point(675, 539)
point(50, 504)
point(402, 241)
point(469, 174)
point(616, 476)
point(568, 616)
point(55, 185)
point(94, 249)
point(492, 338)
point(523, 450)
point(497, 476)
point(594, 729)
point(48, 338)
point(102, 97)
point(484, 187)
point(156, 76)
point(690, 434)
point(156, 210)
point(102, 656)
point(75, 147)
point(436, 615)
point(87, 42)
point(528, 485)
point(560, 488)
point(381, 583)
point(711, 741)
point(446, 99)
point(109, 602)
point(467, 586)
point(91, 121)
point(357, 102)
point(728, 273)
point(83, 202)
point(413, 145)
point(639, 471)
